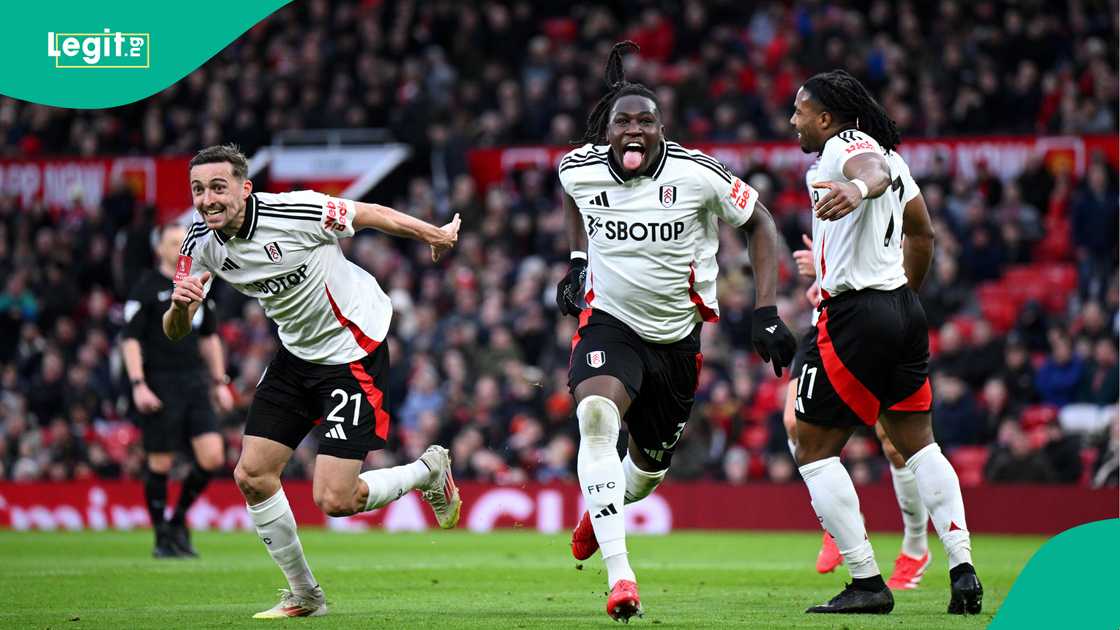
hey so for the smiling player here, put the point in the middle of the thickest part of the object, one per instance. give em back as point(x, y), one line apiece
point(328, 375)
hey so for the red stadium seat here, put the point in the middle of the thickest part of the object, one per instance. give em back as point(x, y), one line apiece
point(969, 462)
point(1037, 416)
point(999, 306)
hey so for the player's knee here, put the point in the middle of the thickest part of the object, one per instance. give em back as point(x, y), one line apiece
point(251, 483)
point(335, 504)
point(210, 462)
point(160, 463)
point(598, 418)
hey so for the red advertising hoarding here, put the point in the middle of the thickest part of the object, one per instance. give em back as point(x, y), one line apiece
point(75, 183)
point(554, 508)
point(1004, 155)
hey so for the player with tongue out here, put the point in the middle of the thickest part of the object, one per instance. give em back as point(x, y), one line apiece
point(643, 228)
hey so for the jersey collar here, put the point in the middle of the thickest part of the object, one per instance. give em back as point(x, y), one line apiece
point(248, 226)
point(653, 170)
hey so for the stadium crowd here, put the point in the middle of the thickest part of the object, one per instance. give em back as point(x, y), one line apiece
point(1022, 301)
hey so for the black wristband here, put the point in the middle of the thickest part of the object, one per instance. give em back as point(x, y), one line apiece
point(136, 382)
point(766, 311)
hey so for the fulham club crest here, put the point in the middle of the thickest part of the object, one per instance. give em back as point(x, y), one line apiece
point(668, 196)
point(597, 358)
point(273, 251)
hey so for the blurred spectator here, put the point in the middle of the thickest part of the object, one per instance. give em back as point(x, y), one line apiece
point(1060, 373)
point(1014, 460)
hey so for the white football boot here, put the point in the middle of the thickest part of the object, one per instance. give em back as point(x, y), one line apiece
point(441, 493)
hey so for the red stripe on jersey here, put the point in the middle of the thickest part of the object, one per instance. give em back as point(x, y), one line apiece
point(706, 314)
point(367, 344)
point(375, 397)
point(854, 394)
point(590, 289)
point(820, 281)
point(584, 315)
point(920, 400)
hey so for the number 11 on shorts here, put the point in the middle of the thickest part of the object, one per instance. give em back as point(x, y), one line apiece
point(812, 373)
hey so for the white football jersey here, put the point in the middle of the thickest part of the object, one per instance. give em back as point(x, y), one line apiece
point(286, 254)
point(652, 240)
point(862, 250)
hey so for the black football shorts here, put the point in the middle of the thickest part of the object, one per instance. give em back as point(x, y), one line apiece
point(344, 404)
point(869, 353)
point(660, 378)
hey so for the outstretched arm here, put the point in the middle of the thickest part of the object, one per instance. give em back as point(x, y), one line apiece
point(844, 196)
point(390, 221)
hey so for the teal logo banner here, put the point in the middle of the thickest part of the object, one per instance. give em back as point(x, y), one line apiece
point(105, 50)
point(1069, 583)
point(86, 55)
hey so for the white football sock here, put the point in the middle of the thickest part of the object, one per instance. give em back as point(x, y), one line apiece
point(837, 505)
point(603, 482)
point(915, 543)
point(389, 484)
point(639, 483)
point(941, 493)
point(276, 527)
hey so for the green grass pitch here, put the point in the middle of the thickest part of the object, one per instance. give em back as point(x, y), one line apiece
point(463, 580)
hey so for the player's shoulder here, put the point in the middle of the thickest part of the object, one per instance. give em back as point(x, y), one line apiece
point(583, 156)
point(680, 157)
point(849, 141)
point(290, 199)
point(198, 238)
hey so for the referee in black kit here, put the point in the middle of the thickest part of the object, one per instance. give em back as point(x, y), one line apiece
point(175, 386)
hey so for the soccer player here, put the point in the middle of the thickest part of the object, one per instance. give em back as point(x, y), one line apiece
point(914, 558)
point(329, 374)
point(868, 359)
point(175, 387)
point(643, 231)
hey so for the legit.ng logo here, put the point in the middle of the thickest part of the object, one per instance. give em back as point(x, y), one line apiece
point(105, 50)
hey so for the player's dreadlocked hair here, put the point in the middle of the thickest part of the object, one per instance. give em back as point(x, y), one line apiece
point(618, 87)
point(845, 97)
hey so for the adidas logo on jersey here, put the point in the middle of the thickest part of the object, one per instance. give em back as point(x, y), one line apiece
point(600, 200)
point(336, 432)
point(771, 329)
point(229, 265)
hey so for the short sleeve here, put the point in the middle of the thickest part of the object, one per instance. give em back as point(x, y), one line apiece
point(136, 312)
point(910, 188)
point(192, 256)
point(731, 198)
point(574, 160)
point(326, 218)
point(846, 145)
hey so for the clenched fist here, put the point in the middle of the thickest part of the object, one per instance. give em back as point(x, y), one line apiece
point(189, 290)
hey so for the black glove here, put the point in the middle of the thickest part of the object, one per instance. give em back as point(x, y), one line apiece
point(569, 293)
point(771, 339)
